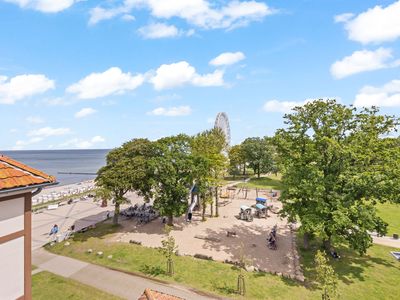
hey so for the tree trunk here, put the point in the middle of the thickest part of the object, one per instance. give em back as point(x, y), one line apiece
point(211, 207)
point(327, 244)
point(203, 214)
point(216, 202)
point(258, 171)
point(244, 169)
point(116, 213)
point(306, 240)
point(170, 220)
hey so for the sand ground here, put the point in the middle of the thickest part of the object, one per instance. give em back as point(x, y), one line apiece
point(210, 237)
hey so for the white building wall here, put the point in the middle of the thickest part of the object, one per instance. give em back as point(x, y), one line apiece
point(12, 269)
point(11, 216)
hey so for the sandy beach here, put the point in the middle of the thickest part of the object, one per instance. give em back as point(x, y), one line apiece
point(59, 191)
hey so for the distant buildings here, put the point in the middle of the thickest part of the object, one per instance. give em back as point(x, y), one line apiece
point(18, 183)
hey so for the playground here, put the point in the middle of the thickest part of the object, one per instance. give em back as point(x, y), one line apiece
point(222, 238)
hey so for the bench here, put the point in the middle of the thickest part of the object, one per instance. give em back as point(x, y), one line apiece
point(52, 206)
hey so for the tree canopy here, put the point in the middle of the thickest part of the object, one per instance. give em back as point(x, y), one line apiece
point(115, 178)
point(336, 164)
point(258, 153)
point(172, 165)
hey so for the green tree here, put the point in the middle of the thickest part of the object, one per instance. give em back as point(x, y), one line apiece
point(114, 178)
point(243, 262)
point(208, 151)
point(138, 153)
point(259, 154)
point(168, 249)
point(325, 276)
point(126, 169)
point(172, 175)
point(336, 166)
point(237, 161)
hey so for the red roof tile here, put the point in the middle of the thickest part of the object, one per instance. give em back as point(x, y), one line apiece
point(14, 174)
point(155, 295)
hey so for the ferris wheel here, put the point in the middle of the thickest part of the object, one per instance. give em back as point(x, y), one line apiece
point(222, 122)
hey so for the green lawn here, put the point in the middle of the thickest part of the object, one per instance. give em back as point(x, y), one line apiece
point(46, 286)
point(268, 182)
point(375, 274)
point(390, 213)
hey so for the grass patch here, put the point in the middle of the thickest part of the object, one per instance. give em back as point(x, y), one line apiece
point(46, 286)
point(268, 182)
point(33, 267)
point(208, 276)
point(390, 213)
point(374, 276)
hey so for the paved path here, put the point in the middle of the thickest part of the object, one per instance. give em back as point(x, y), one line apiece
point(82, 214)
point(386, 241)
point(113, 282)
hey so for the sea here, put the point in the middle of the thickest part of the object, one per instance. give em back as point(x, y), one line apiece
point(65, 165)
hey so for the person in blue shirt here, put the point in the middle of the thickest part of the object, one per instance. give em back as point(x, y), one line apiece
point(54, 230)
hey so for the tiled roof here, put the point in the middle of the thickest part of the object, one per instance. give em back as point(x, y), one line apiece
point(154, 295)
point(14, 174)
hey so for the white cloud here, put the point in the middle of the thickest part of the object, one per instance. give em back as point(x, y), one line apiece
point(227, 58)
point(98, 14)
point(201, 13)
point(364, 60)
point(83, 144)
point(212, 79)
point(376, 25)
point(58, 101)
point(281, 106)
point(343, 18)
point(178, 74)
point(158, 31)
point(111, 81)
point(20, 144)
point(49, 131)
point(84, 112)
point(287, 106)
point(171, 111)
point(98, 139)
point(128, 18)
point(46, 6)
point(34, 120)
point(386, 96)
point(22, 86)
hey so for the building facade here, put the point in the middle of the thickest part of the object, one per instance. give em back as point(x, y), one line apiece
point(18, 183)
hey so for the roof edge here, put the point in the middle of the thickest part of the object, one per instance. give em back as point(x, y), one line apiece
point(27, 187)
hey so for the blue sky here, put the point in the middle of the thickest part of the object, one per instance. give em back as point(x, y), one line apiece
point(93, 74)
